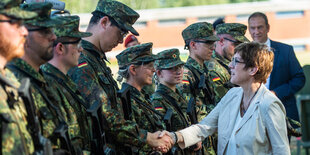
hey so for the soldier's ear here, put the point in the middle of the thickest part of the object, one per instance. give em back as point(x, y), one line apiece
point(59, 49)
point(192, 45)
point(158, 73)
point(104, 22)
point(132, 70)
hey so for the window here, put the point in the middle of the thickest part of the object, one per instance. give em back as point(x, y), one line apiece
point(171, 22)
point(299, 48)
point(290, 14)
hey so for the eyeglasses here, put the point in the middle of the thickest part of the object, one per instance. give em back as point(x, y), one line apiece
point(123, 34)
point(42, 30)
point(233, 41)
point(13, 21)
point(211, 44)
point(234, 62)
point(77, 42)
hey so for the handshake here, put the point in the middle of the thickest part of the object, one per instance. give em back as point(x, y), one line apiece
point(163, 141)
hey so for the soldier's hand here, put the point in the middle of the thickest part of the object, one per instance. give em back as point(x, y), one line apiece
point(198, 146)
point(162, 144)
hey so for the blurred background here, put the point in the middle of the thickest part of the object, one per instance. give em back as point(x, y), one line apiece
point(162, 21)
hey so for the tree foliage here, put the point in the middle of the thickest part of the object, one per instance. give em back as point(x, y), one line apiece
point(86, 6)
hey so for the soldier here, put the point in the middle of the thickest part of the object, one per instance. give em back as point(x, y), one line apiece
point(147, 90)
point(94, 78)
point(38, 50)
point(199, 40)
point(15, 139)
point(66, 53)
point(169, 73)
point(231, 35)
point(136, 65)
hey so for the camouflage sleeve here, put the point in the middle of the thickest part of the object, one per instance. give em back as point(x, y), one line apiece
point(11, 133)
point(185, 85)
point(124, 131)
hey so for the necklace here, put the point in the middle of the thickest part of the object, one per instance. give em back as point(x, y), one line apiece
point(243, 109)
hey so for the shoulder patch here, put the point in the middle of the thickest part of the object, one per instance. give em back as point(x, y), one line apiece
point(211, 65)
point(82, 64)
point(216, 79)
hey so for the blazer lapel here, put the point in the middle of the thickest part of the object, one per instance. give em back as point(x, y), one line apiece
point(252, 107)
point(233, 113)
point(276, 54)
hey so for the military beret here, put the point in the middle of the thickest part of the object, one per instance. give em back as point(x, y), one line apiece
point(168, 59)
point(71, 28)
point(236, 30)
point(200, 30)
point(43, 9)
point(134, 54)
point(121, 13)
point(11, 9)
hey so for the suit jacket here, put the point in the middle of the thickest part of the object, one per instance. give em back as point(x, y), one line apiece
point(262, 129)
point(287, 77)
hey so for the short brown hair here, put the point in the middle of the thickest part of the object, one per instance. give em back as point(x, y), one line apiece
point(258, 55)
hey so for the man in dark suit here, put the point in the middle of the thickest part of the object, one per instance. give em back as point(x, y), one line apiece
point(287, 76)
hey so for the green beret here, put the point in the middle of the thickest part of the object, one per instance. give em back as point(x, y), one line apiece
point(168, 59)
point(200, 30)
point(134, 54)
point(236, 30)
point(11, 9)
point(71, 28)
point(43, 9)
point(121, 13)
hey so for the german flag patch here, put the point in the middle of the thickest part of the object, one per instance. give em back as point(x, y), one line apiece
point(159, 108)
point(185, 81)
point(82, 64)
point(216, 79)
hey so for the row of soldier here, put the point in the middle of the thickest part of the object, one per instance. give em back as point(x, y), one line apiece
point(74, 106)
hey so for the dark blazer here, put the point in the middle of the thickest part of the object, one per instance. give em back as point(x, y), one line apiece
point(287, 77)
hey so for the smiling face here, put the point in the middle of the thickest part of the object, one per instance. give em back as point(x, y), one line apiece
point(172, 76)
point(145, 73)
point(258, 29)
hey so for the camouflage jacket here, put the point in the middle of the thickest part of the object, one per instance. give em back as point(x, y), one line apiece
point(179, 119)
point(220, 77)
point(224, 62)
point(15, 139)
point(142, 114)
point(94, 79)
point(48, 118)
point(202, 105)
point(75, 113)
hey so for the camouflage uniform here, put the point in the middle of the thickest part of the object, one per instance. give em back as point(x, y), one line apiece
point(218, 65)
point(94, 79)
point(50, 114)
point(75, 112)
point(15, 138)
point(142, 110)
point(191, 77)
point(165, 98)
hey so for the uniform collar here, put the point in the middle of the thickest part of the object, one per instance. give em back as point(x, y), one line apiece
point(192, 62)
point(93, 50)
point(27, 69)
